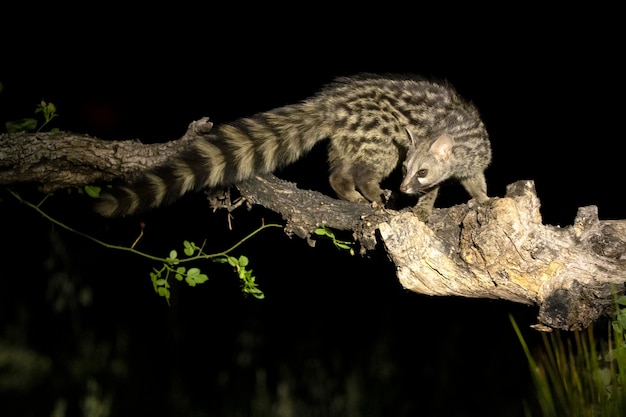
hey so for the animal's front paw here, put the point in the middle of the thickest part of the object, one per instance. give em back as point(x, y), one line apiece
point(486, 202)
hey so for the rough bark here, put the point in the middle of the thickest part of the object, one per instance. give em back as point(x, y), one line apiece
point(497, 250)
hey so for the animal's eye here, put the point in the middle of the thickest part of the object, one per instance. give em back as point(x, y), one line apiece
point(422, 173)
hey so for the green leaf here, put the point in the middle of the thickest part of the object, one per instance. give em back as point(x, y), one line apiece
point(323, 231)
point(621, 319)
point(189, 250)
point(180, 271)
point(233, 261)
point(92, 191)
point(620, 352)
point(243, 261)
point(190, 281)
point(193, 271)
point(622, 300)
point(201, 278)
point(255, 292)
point(173, 254)
point(23, 125)
point(50, 110)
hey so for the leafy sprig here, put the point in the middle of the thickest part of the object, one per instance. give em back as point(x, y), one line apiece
point(194, 276)
point(172, 265)
point(325, 232)
point(29, 124)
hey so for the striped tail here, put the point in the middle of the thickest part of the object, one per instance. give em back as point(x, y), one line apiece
point(231, 153)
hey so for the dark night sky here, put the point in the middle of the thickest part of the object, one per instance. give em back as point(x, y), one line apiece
point(547, 82)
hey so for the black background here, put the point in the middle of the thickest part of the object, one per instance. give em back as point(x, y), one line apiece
point(547, 82)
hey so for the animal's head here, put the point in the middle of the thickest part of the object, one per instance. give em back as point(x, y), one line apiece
point(427, 163)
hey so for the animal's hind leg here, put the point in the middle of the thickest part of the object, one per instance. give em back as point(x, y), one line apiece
point(345, 187)
point(370, 188)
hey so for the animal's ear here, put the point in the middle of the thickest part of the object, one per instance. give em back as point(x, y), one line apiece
point(442, 147)
point(412, 140)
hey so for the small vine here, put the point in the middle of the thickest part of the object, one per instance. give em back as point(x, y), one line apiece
point(29, 124)
point(325, 232)
point(171, 265)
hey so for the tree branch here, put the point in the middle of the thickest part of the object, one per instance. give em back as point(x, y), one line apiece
point(498, 250)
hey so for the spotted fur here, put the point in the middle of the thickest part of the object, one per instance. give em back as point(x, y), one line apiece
point(374, 124)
